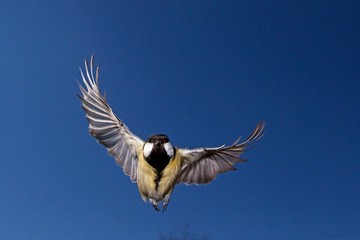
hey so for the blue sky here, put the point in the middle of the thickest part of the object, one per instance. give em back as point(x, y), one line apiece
point(204, 73)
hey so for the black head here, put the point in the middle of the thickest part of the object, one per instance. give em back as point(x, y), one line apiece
point(158, 139)
point(158, 151)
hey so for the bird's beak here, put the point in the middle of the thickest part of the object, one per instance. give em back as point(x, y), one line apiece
point(158, 144)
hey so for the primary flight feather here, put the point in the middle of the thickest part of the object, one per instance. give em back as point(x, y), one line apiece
point(154, 164)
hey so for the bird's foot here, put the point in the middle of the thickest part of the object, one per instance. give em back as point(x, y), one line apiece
point(154, 204)
point(166, 202)
point(164, 207)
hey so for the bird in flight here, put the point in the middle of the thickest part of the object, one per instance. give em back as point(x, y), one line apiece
point(155, 164)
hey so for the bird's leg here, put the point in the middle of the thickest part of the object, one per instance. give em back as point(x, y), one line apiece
point(166, 202)
point(154, 204)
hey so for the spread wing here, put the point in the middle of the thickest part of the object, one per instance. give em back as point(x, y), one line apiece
point(201, 165)
point(105, 126)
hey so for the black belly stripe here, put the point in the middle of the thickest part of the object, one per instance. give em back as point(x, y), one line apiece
point(157, 180)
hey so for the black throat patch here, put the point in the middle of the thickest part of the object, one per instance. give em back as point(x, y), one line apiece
point(158, 159)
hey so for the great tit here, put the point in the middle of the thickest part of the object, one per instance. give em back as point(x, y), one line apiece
point(156, 165)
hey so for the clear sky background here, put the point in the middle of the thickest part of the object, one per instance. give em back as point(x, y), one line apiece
point(204, 73)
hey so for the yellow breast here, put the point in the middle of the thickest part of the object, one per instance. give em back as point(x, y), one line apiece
point(147, 175)
point(169, 176)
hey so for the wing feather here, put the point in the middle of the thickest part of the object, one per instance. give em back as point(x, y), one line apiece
point(105, 126)
point(201, 165)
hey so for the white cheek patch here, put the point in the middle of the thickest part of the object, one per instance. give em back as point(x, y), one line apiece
point(147, 149)
point(169, 149)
